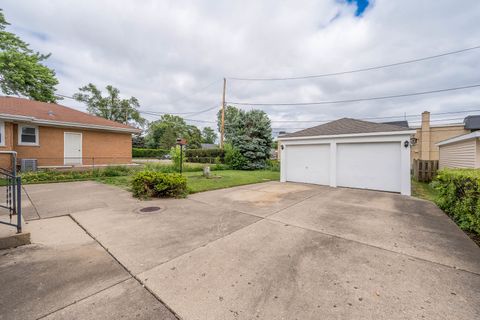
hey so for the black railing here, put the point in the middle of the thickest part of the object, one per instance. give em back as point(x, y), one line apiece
point(12, 203)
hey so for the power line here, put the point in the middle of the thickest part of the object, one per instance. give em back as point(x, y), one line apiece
point(360, 70)
point(354, 100)
point(154, 112)
point(191, 113)
point(378, 118)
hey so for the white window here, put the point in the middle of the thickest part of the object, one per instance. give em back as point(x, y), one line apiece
point(27, 135)
point(2, 133)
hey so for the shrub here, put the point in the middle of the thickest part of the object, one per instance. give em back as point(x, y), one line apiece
point(149, 153)
point(158, 184)
point(178, 156)
point(115, 171)
point(57, 176)
point(459, 196)
point(233, 158)
point(273, 165)
point(70, 175)
point(205, 155)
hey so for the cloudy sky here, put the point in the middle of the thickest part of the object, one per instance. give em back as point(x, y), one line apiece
point(173, 55)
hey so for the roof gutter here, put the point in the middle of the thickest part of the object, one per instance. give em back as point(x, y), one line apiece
point(348, 135)
point(468, 136)
point(66, 124)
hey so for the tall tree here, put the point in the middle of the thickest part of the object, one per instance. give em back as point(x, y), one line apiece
point(250, 133)
point(209, 135)
point(111, 107)
point(21, 69)
point(163, 133)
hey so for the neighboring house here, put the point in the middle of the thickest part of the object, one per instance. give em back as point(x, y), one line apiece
point(59, 136)
point(349, 153)
point(460, 152)
point(428, 136)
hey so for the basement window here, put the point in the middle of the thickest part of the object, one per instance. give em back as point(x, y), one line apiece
point(27, 135)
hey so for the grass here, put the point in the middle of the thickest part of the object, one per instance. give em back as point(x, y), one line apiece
point(196, 182)
point(228, 178)
point(121, 176)
point(423, 190)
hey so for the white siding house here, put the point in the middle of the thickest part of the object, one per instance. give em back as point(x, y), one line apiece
point(460, 152)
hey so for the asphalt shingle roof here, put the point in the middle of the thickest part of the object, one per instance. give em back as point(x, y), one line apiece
point(345, 126)
point(53, 112)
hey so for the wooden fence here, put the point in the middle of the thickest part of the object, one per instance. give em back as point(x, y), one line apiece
point(424, 170)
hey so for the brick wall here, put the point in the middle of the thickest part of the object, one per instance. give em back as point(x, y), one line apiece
point(100, 147)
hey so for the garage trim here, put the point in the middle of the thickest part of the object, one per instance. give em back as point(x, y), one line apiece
point(400, 135)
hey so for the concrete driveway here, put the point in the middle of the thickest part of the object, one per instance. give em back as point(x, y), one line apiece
point(264, 251)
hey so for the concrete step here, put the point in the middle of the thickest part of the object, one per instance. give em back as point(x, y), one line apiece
point(9, 238)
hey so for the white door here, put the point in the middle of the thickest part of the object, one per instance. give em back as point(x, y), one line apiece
point(373, 166)
point(308, 163)
point(73, 148)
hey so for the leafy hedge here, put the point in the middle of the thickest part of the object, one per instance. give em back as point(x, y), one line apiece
point(205, 155)
point(149, 153)
point(43, 176)
point(459, 196)
point(158, 184)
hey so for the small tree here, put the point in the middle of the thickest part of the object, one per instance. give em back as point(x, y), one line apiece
point(111, 107)
point(163, 133)
point(208, 135)
point(178, 156)
point(251, 134)
point(21, 69)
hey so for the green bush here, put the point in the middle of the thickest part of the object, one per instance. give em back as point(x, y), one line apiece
point(273, 165)
point(115, 171)
point(233, 158)
point(178, 156)
point(43, 176)
point(149, 153)
point(158, 184)
point(57, 176)
point(205, 155)
point(459, 196)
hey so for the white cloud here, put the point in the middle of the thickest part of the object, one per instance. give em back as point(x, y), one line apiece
point(160, 51)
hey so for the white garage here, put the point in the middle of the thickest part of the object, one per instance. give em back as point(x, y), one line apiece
point(349, 153)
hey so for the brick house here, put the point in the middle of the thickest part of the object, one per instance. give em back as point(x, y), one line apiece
point(428, 135)
point(58, 136)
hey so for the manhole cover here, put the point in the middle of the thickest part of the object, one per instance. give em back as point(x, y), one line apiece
point(149, 209)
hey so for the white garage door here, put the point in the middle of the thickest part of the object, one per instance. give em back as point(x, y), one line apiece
point(308, 163)
point(373, 166)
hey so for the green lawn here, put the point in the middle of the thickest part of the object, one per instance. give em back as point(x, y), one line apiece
point(228, 178)
point(423, 190)
point(220, 179)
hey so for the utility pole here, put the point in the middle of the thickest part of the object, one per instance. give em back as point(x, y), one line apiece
point(222, 126)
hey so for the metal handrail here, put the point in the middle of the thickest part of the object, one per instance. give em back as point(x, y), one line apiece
point(14, 192)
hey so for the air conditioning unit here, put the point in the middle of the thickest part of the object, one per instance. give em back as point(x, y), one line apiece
point(28, 165)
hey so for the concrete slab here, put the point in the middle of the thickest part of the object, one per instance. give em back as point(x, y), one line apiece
point(142, 241)
point(126, 300)
point(260, 199)
point(58, 232)
point(270, 270)
point(384, 201)
point(39, 279)
point(56, 199)
point(388, 222)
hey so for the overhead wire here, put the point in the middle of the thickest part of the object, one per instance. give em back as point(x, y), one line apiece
point(354, 100)
point(361, 69)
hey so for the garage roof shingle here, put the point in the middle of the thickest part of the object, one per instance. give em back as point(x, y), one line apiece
point(345, 126)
